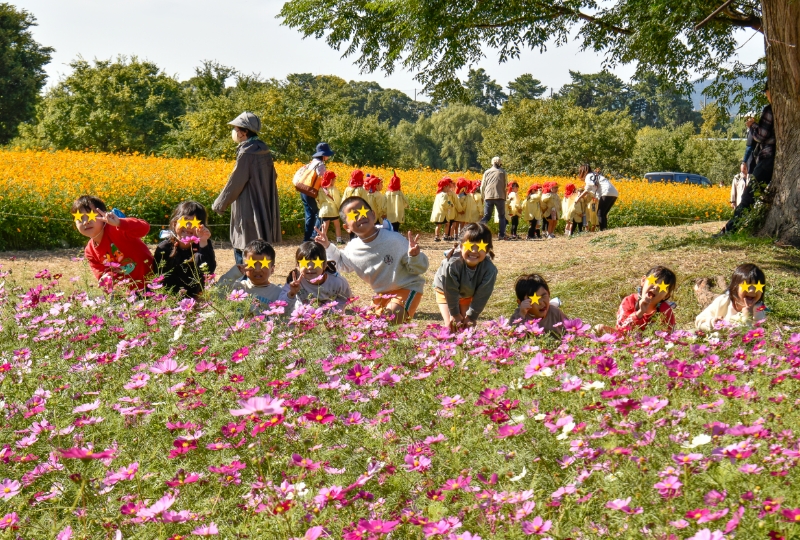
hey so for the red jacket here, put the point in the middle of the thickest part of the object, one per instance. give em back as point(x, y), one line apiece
point(122, 245)
point(626, 320)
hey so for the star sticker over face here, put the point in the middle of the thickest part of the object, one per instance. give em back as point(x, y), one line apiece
point(663, 287)
point(652, 280)
point(196, 223)
point(467, 245)
point(318, 262)
point(362, 212)
point(78, 216)
point(759, 287)
point(303, 263)
point(251, 262)
point(91, 216)
point(482, 245)
point(182, 222)
point(351, 215)
point(744, 287)
point(535, 298)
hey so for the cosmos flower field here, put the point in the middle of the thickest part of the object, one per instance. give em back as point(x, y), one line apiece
point(153, 417)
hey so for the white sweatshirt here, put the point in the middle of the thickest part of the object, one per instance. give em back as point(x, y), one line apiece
point(383, 264)
point(335, 289)
point(722, 308)
point(266, 294)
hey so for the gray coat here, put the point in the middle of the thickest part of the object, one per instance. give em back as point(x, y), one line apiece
point(252, 195)
point(493, 185)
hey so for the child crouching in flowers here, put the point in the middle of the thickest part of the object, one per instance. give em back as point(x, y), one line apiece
point(393, 266)
point(314, 281)
point(254, 274)
point(186, 257)
point(115, 250)
point(741, 304)
point(533, 299)
point(444, 209)
point(649, 304)
point(465, 280)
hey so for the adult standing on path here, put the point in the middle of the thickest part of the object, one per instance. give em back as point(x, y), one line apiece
point(493, 191)
point(738, 185)
point(601, 189)
point(310, 207)
point(252, 190)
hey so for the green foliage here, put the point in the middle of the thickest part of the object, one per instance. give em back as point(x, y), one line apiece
point(717, 159)
point(414, 145)
point(458, 132)
point(659, 149)
point(22, 75)
point(603, 91)
point(554, 137)
point(358, 141)
point(482, 91)
point(526, 87)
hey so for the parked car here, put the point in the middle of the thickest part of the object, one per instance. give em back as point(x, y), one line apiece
point(678, 178)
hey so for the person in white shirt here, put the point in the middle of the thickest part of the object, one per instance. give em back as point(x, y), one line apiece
point(314, 281)
point(601, 189)
point(738, 185)
point(741, 304)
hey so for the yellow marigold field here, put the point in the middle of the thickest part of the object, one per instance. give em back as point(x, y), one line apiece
point(37, 188)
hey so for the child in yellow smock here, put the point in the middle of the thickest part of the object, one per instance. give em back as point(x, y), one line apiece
point(532, 211)
point(444, 208)
point(396, 203)
point(377, 200)
point(513, 208)
point(462, 188)
point(329, 200)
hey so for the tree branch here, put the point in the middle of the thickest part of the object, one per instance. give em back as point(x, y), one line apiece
point(732, 18)
point(716, 12)
point(557, 10)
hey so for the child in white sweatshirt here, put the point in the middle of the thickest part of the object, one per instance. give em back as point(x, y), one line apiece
point(314, 281)
point(388, 262)
point(253, 275)
point(741, 304)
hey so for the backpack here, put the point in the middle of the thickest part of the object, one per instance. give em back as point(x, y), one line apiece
point(306, 180)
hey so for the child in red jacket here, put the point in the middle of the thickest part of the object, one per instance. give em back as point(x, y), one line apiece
point(115, 251)
point(649, 304)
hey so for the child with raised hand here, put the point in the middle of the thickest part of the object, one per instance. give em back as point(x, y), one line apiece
point(532, 211)
point(443, 208)
point(186, 256)
point(465, 279)
point(741, 304)
point(513, 209)
point(254, 274)
point(115, 250)
point(649, 304)
point(377, 200)
point(533, 299)
point(396, 203)
point(329, 201)
point(314, 281)
point(389, 263)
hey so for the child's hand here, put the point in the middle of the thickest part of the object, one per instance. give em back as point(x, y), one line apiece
point(108, 217)
point(525, 306)
point(322, 235)
point(294, 285)
point(204, 234)
point(413, 247)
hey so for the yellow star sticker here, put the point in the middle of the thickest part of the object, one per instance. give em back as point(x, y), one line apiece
point(482, 245)
point(362, 212)
point(351, 216)
point(318, 262)
point(744, 287)
point(182, 222)
point(467, 245)
point(251, 263)
point(663, 287)
point(303, 263)
point(652, 280)
point(759, 287)
point(78, 216)
point(535, 298)
point(196, 223)
point(91, 216)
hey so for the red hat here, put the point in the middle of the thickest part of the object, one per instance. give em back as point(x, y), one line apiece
point(443, 183)
point(509, 186)
point(371, 183)
point(569, 189)
point(394, 183)
point(462, 183)
point(356, 178)
point(327, 179)
point(475, 185)
point(534, 187)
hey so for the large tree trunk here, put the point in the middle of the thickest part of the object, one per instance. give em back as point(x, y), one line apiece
point(782, 34)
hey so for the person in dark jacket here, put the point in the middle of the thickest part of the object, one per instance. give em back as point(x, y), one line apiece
point(761, 174)
point(186, 257)
point(252, 190)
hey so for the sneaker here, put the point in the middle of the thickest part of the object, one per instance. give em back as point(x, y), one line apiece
point(437, 239)
point(501, 238)
point(720, 234)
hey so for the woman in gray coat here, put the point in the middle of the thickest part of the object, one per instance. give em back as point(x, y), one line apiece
point(252, 190)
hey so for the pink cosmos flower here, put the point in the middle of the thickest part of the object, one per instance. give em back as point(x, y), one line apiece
point(86, 407)
point(607, 367)
point(166, 366)
point(84, 453)
point(260, 406)
point(706, 534)
point(162, 504)
point(320, 415)
point(65, 533)
point(461, 482)
point(791, 515)
point(304, 463)
point(534, 367)
point(450, 402)
point(9, 520)
point(441, 527)
point(466, 535)
point(733, 523)
point(206, 530)
point(652, 405)
point(377, 526)
point(509, 430)
point(537, 526)
point(669, 487)
point(328, 495)
point(9, 488)
point(312, 534)
point(237, 295)
point(417, 463)
point(358, 374)
point(623, 505)
point(353, 419)
point(138, 380)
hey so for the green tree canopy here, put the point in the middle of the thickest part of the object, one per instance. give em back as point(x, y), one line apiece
point(22, 75)
point(482, 91)
point(358, 141)
point(526, 87)
point(603, 91)
point(554, 137)
point(127, 105)
point(458, 131)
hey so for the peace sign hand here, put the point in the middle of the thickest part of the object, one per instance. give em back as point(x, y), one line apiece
point(413, 247)
point(108, 217)
point(322, 235)
point(294, 285)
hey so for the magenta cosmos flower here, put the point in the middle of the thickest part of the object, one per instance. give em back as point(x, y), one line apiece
point(84, 453)
point(259, 405)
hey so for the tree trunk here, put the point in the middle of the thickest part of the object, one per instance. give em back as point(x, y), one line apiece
point(782, 34)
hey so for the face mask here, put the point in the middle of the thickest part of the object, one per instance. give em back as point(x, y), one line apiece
point(235, 135)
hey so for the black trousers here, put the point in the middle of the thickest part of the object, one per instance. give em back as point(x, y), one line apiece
point(603, 207)
point(577, 226)
point(396, 226)
point(533, 230)
point(514, 225)
point(759, 180)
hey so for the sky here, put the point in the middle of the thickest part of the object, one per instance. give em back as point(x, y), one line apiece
point(179, 34)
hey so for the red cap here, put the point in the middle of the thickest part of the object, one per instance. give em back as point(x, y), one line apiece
point(394, 183)
point(327, 178)
point(443, 183)
point(357, 178)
